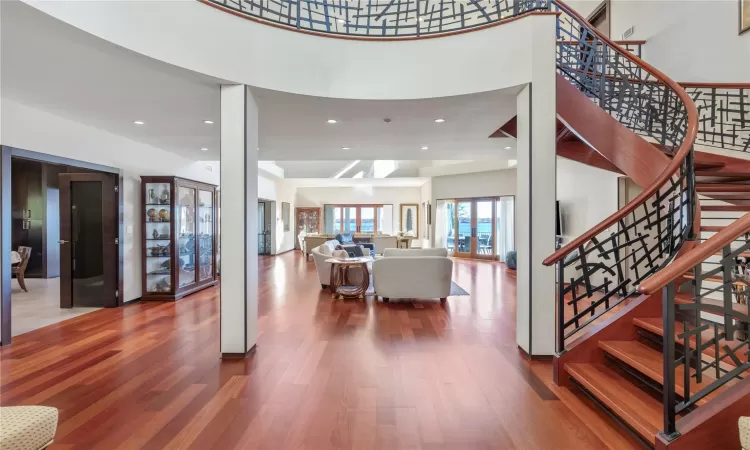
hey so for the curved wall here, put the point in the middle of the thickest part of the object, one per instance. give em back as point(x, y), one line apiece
point(198, 37)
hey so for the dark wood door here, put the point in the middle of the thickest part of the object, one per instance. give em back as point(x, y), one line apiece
point(88, 240)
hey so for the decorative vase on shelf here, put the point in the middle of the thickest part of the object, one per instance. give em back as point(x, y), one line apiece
point(155, 234)
point(165, 197)
point(151, 196)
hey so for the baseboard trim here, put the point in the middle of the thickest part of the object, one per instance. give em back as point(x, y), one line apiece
point(239, 355)
point(285, 251)
point(528, 357)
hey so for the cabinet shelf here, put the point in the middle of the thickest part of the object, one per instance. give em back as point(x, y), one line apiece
point(192, 259)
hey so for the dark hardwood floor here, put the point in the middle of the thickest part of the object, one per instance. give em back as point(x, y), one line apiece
point(327, 374)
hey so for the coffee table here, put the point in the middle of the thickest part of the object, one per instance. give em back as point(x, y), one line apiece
point(339, 283)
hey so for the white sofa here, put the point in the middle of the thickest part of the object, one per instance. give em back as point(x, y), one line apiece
point(326, 251)
point(413, 273)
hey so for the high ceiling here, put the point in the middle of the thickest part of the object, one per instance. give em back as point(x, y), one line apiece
point(294, 127)
point(52, 66)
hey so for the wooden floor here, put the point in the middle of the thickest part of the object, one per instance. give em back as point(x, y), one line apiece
point(326, 375)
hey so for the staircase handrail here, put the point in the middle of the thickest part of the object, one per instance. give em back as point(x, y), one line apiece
point(696, 255)
point(672, 168)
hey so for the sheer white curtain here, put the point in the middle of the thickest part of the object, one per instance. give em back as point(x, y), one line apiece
point(505, 226)
point(441, 225)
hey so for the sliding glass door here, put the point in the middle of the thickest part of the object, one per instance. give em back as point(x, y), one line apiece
point(478, 228)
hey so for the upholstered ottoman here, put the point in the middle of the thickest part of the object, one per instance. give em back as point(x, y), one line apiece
point(27, 427)
point(745, 433)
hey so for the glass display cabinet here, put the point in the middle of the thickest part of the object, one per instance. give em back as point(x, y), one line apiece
point(179, 237)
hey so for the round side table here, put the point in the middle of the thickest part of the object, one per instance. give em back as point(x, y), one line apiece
point(339, 283)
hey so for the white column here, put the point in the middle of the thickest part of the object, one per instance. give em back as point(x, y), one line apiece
point(536, 194)
point(239, 221)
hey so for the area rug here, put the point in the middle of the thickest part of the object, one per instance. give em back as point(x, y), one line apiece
point(457, 290)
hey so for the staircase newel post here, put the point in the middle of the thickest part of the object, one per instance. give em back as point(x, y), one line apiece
point(669, 397)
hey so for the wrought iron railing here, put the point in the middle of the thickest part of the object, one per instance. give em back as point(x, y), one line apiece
point(724, 111)
point(603, 267)
point(378, 18)
point(711, 345)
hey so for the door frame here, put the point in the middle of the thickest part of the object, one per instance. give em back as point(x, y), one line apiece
point(8, 152)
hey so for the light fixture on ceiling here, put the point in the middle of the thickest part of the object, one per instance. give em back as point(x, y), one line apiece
point(332, 121)
point(208, 122)
point(204, 149)
point(439, 120)
point(139, 122)
point(508, 148)
point(346, 169)
point(345, 148)
point(425, 148)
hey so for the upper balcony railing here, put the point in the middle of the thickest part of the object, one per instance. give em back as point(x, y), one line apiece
point(382, 18)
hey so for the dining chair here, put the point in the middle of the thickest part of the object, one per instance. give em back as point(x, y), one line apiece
point(20, 270)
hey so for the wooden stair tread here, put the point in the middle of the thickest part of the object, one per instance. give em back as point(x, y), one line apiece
point(715, 187)
point(713, 279)
point(725, 208)
point(656, 326)
point(635, 407)
point(727, 174)
point(684, 298)
point(650, 363)
point(708, 165)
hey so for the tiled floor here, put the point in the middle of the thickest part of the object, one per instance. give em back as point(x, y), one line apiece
point(40, 306)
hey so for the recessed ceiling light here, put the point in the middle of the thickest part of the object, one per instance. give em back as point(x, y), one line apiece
point(204, 149)
point(332, 121)
point(208, 122)
point(508, 148)
point(439, 120)
point(344, 148)
point(425, 147)
point(139, 122)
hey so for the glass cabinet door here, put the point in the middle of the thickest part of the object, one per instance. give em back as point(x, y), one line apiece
point(185, 227)
point(158, 235)
point(205, 235)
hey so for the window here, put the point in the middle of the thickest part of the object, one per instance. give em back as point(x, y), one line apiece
point(364, 219)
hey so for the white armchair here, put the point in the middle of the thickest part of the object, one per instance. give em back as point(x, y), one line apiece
point(326, 251)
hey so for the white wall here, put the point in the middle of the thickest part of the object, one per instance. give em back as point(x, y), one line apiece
point(31, 129)
point(279, 191)
point(587, 196)
point(319, 196)
point(195, 36)
point(687, 40)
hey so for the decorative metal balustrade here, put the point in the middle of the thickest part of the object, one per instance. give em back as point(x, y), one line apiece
point(597, 272)
point(724, 115)
point(390, 18)
point(711, 347)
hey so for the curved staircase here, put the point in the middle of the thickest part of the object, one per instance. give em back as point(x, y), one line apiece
point(652, 314)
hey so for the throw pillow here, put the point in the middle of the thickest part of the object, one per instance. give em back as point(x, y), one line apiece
point(340, 254)
point(324, 250)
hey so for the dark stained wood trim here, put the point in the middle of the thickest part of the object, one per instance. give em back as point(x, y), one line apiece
point(604, 6)
point(9, 152)
point(582, 153)
point(240, 355)
point(374, 38)
point(5, 244)
point(528, 357)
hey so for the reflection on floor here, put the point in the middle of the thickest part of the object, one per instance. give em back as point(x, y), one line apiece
point(40, 306)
